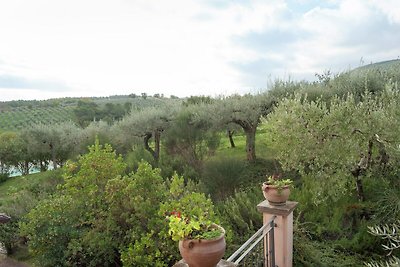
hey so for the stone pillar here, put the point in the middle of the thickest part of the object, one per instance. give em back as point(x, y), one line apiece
point(283, 232)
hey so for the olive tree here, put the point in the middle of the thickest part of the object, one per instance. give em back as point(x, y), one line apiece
point(191, 134)
point(339, 143)
point(96, 129)
point(391, 234)
point(245, 111)
point(56, 142)
point(10, 151)
point(148, 123)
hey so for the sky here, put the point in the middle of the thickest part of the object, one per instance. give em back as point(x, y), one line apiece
point(79, 48)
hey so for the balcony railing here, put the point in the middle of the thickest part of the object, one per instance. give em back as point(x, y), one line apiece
point(254, 252)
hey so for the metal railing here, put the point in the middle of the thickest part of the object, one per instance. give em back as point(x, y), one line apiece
point(256, 253)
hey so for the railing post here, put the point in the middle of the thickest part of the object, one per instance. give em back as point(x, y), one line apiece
point(271, 250)
point(282, 232)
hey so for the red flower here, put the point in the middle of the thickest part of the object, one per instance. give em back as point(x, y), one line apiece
point(176, 213)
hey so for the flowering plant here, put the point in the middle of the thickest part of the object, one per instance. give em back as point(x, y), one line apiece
point(277, 182)
point(183, 227)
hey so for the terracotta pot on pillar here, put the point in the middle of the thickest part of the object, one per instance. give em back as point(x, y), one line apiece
point(276, 196)
point(203, 252)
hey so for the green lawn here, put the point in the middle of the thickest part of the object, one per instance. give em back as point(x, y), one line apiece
point(263, 145)
point(20, 190)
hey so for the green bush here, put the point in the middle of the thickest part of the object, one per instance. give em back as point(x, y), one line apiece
point(134, 157)
point(9, 235)
point(170, 164)
point(3, 177)
point(20, 200)
point(239, 215)
point(222, 176)
point(311, 253)
point(101, 218)
point(62, 230)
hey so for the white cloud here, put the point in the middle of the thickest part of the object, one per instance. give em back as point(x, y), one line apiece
point(182, 47)
point(340, 36)
point(390, 7)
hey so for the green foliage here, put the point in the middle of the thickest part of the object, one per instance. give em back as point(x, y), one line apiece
point(191, 227)
point(93, 170)
point(9, 235)
point(361, 242)
point(99, 217)
point(58, 143)
point(17, 115)
point(50, 227)
point(388, 204)
point(3, 177)
point(18, 195)
point(239, 216)
point(392, 262)
point(85, 112)
point(279, 183)
point(308, 253)
point(391, 235)
point(136, 156)
point(221, 176)
point(171, 164)
point(18, 118)
point(191, 214)
point(325, 138)
point(336, 145)
point(88, 111)
point(190, 137)
point(143, 125)
point(182, 199)
point(95, 130)
point(246, 112)
point(11, 152)
point(67, 227)
point(196, 100)
point(161, 250)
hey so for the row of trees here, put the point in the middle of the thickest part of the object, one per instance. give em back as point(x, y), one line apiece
point(191, 130)
point(40, 145)
point(88, 111)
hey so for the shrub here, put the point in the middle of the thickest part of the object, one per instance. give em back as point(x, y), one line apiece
point(101, 218)
point(239, 215)
point(222, 176)
point(3, 177)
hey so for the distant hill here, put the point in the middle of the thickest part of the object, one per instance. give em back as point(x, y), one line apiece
point(15, 115)
point(379, 65)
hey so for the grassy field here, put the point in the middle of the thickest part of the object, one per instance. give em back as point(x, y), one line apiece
point(18, 194)
point(263, 145)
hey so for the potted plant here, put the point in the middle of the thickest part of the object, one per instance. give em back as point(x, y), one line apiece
point(201, 242)
point(276, 190)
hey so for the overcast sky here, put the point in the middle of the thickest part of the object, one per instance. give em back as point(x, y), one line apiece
point(59, 48)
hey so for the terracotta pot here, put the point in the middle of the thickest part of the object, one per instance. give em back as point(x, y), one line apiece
point(203, 252)
point(274, 196)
